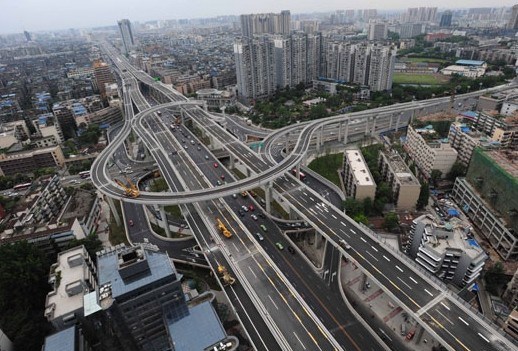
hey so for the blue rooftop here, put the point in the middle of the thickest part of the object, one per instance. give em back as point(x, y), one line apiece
point(197, 331)
point(61, 341)
point(108, 272)
point(469, 114)
point(469, 62)
point(473, 243)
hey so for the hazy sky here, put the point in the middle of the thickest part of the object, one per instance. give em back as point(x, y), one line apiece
point(35, 15)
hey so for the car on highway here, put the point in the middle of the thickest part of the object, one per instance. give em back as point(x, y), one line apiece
point(216, 165)
point(251, 207)
point(263, 227)
point(259, 236)
point(291, 249)
point(219, 182)
point(199, 148)
point(185, 147)
point(344, 244)
point(244, 194)
point(234, 196)
point(252, 193)
point(130, 222)
point(279, 245)
point(262, 215)
point(222, 176)
point(241, 213)
point(244, 208)
point(206, 157)
point(254, 217)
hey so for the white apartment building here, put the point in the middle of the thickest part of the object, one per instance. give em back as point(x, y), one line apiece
point(429, 155)
point(463, 139)
point(378, 30)
point(405, 186)
point(358, 180)
point(73, 277)
point(445, 250)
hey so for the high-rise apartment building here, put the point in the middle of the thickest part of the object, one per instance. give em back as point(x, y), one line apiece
point(419, 14)
point(266, 23)
point(446, 19)
point(378, 31)
point(103, 76)
point(126, 34)
point(513, 21)
point(358, 181)
point(410, 30)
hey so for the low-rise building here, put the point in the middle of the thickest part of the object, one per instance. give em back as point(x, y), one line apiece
point(48, 204)
point(72, 277)
point(405, 186)
point(29, 161)
point(463, 139)
point(470, 72)
point(216, 98)
point(358, 180)
point(508, 138)
point(429, 155)
point(445, 250)
point(86, 207)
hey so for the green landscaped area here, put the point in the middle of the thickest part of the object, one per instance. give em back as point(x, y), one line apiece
point(328, 166)
point(424, 79)
point(117, 233)
point(424, 59)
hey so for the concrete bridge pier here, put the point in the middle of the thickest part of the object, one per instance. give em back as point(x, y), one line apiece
point(268, 196)
point(286, 142)
point(346, 134)
point(164, 220)
point(232, 161)
point(115, 213)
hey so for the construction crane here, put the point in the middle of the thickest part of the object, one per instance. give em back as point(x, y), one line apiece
point(130, 189)
point(223, 229)
point(226, 278)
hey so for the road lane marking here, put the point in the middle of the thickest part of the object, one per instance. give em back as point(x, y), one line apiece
point(402, 281)
point(311, 198)
point(332, 215)
point(253, 273)
point(352, 231)
point(362, 239)
point(429, 293)
point(442, 303)
point(483, 337)
point(304, 347)
point(399, 269)
point(385, 257)
point(342, 223)
point(446, 318)
point(412, 279)
point(371, 255)
point(273, 302)
point(305, 194)
point(375, 249)
point(463, 321)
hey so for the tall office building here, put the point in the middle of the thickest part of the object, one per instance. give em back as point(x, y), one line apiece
point(103, 76)
point(266, 23)
point(378, 31)
point(127, 35)
point(513, 21)
point(446, 19)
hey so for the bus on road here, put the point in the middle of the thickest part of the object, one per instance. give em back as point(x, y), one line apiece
point(22, 186)
point(84, 174)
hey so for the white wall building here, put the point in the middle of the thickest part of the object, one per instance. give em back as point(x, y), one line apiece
point(358, 180)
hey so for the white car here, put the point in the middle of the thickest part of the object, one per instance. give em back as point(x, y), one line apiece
point(344, 244)
point(244, 208)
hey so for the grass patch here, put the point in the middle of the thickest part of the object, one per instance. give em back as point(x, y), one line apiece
point(425, 79)
point(238, 174)
point(425, 59)
point(174, 211)
point(117, 232)
point(159, 230)
point(327, 166)
point(280, 210)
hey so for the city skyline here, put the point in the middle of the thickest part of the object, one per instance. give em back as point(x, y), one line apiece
point(32, 15)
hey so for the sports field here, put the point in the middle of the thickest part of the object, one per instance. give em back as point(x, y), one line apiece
point(424, 79)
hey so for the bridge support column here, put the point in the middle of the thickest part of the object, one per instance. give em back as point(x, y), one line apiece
point(164, 220)
point(232, 161)
point(373, 132)
point(114, 211)
point(346, 134)
point(268, 197)
point(182, 116)
point(367, 125)
point(205, 106)
point(297, 167)
point(286, 142)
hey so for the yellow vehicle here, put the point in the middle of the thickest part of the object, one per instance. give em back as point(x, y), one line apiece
point(226, 278)
point(223, 229)
point(130, 189)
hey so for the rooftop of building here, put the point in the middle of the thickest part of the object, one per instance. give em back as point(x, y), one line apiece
point(68, 292)
point(469, 62)
point(114, 262)
point(450, 236)
point(198, 330)
point(359, 167)
point(79, 205)
point(507, 159)
point(64, 340)
point(400, 169)
point(28, 153)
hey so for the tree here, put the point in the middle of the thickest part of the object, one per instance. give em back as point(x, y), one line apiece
point(352, 207)
point(391, 221)
point(424, 195)
point(91, 242)
point(367, 206)
point(361, 218)
point(435, 175)
point(496, 278)
point(457, 170)
point(23, 288)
